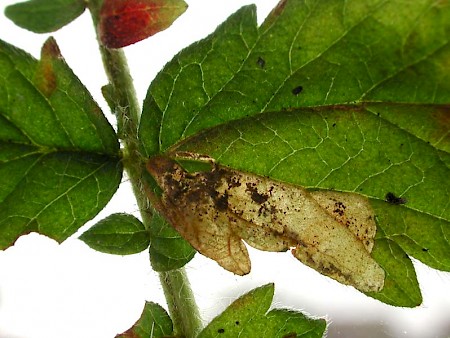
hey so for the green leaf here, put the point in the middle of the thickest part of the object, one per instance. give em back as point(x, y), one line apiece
point(59, 160)
point(400, 285)
point(119, 234)
point(241, 70)
point(249, 317)
point(44, 16)
point(352, 97)
point(154, 322)
point(168, 250)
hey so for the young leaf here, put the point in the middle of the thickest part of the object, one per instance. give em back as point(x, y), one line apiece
point(44, 16)
point(154, 322)
point(168, 250)
point(119, 234)
point(59, 159)
point(249, 317)
point(124, 22)
point(354, 102)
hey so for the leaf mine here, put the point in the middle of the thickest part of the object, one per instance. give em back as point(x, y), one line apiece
point(215, 210)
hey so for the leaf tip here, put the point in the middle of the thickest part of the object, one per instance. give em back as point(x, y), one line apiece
point(45, 76)
point(277, 11)
point(51, 49)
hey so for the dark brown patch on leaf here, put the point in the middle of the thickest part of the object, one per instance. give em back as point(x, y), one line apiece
point(297, 90)
point(221, 202)
point(290, 335)
point(339, 208)
point(255, 195)
point(394, 200)
point(233, 182)
point(261, 62)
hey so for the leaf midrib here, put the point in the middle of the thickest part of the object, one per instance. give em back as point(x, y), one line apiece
point(292, 72)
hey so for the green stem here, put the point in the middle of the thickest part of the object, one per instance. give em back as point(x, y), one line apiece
point(181, 302)
point(123, 101)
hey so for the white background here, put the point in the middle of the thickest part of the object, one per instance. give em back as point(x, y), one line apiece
point(60, 291)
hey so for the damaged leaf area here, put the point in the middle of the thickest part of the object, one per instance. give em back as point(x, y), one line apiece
point(215, 210)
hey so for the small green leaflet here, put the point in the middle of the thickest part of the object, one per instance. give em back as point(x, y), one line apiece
point(119, 234)
point(249, 317)
point(44, 16)
point(154, 323)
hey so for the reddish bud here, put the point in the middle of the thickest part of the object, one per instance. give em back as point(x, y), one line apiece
point(124, 22)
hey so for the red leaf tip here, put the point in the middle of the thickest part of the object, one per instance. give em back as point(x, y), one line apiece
point(124, 22)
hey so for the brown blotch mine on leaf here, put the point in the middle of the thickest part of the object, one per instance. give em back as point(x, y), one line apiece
point(45, 76)
point(441, 118)
point(277, 11)
point(261, 62)
point(215, 210)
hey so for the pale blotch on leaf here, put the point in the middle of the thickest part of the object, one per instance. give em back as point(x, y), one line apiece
point(215, 210)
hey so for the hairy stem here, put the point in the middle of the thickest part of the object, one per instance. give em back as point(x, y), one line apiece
point(121, 97)
point(181, 302)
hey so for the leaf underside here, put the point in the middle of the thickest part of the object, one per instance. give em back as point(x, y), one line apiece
point(59, 159)
point(119, 234)
point(168, 251)
point(353, 97)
